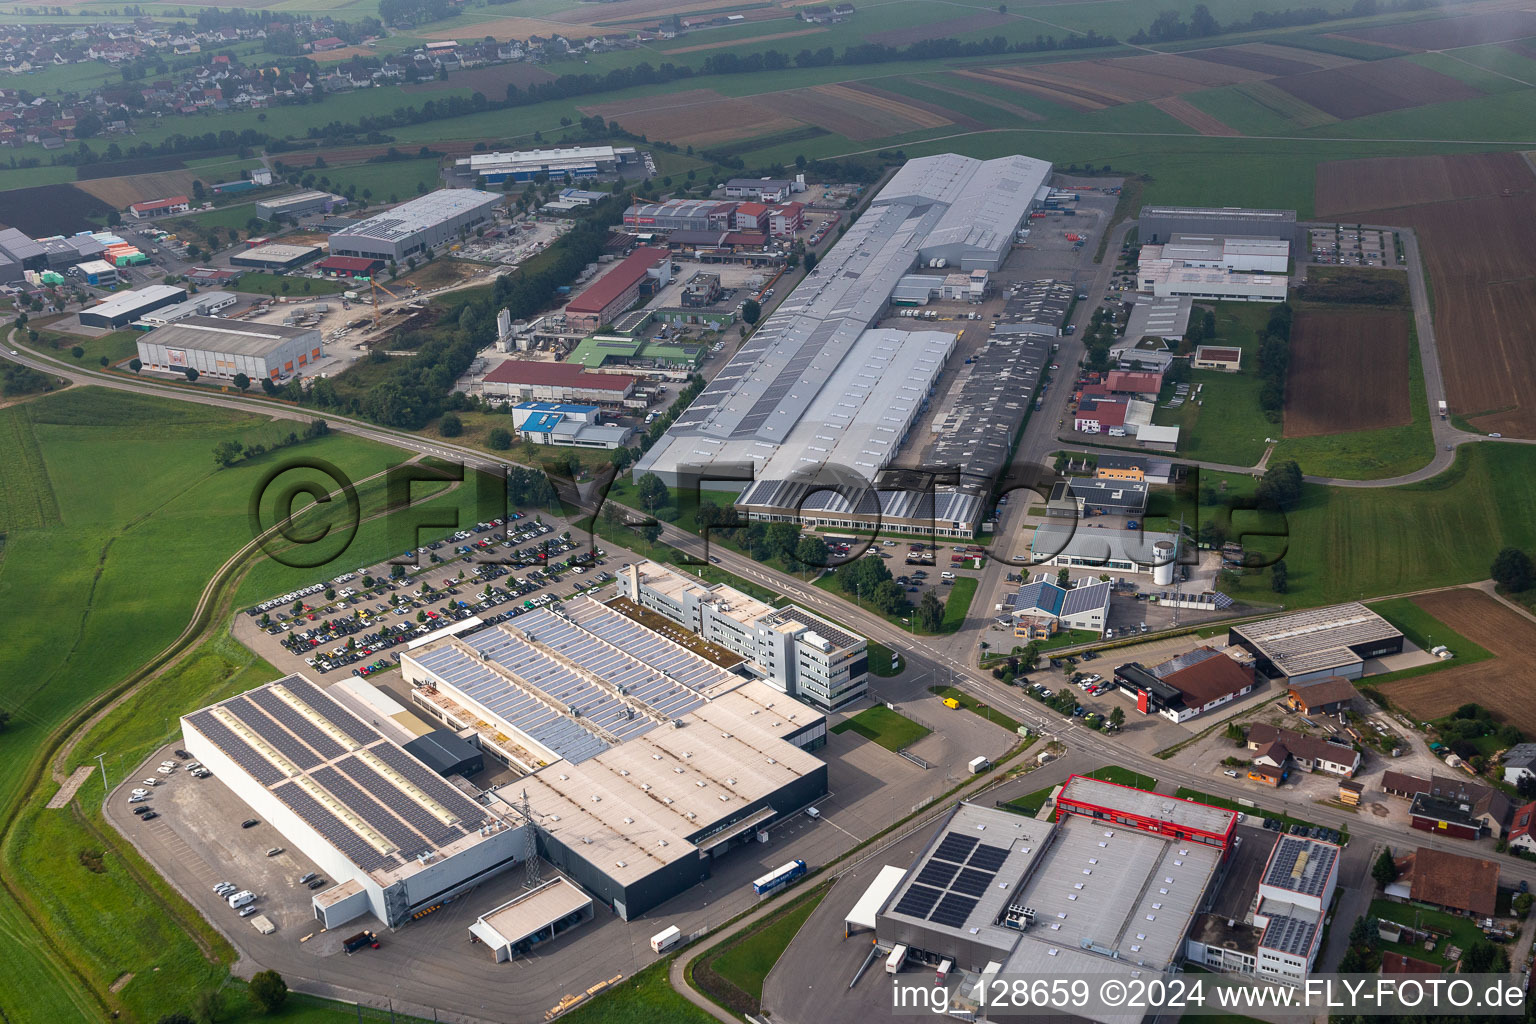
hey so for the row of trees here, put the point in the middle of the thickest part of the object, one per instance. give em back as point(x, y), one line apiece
point(1170, 26)
point(229, 452)
point(1274, 359)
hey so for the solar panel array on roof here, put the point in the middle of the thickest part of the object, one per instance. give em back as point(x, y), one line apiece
point(371, 810)
point(918, 900)
point(469, 814)
point(335, 832)
point(302, 727)
point(1288, 871)
point(823, 628)
point(938, 873)
point(989, 858)
point(331, 711)
point(1289, 934)
point(433, 832)
point(256, 766)
point(955, 847)
point(972, 882)
point(285, 743)
point(953, 909)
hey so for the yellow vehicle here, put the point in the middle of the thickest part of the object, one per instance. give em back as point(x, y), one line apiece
point(950, 702)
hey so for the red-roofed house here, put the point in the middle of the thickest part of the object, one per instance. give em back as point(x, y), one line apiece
point(643, 270)
point(1141, 384)
point(749, 217)
point(349, 266)
point(524, 380)
point(785, 220)
point(1521, 823)
point(1097, 417)
point(160, 208)
point(328, 43)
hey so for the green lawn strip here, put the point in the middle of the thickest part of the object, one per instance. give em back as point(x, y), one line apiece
point(645, 997)
point(260, 283)
point(1068, 638)
point(1463, 931)
point(881, 725)
point(1224, 423)
point(1184, 793)
point(746, 962)
point(1030, 803)
point(1123, 777)
point(1426, 631)
point(986, 711)
point(1353, 543)
point(117, 346)
point(880, 657)
point(958, 604)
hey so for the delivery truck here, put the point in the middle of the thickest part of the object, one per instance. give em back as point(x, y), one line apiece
point(359, 941)
point(663, 941)
point(979, 765)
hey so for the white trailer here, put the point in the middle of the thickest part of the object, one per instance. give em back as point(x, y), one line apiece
point(663, 941)
point(979, 765)
point(894, 962)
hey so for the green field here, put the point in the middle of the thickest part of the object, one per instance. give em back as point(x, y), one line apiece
point(143, 518)
point(1345, 543)
point(881, 725)
point(1224, 423)
point(118, 346)
point(880, 660)
point(1123, 777)
point(1424, 631)
point(402, 178)
point(957, 603)
point(746, 963)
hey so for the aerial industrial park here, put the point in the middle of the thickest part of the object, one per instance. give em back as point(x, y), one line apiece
point(783, 512)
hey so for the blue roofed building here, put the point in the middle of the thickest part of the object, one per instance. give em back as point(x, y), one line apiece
point(564, 423)
point(1041, 608)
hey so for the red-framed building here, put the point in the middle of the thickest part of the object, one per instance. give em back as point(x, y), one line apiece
point(1166, 816)
point(349, 266)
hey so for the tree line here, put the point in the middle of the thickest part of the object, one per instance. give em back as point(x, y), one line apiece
point(1274, 360)
point(1170, 26)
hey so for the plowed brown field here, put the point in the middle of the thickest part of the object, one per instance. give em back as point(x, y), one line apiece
point(858, 115)
point(1481, 265)
point(1348, 371)
point(1199, 120)
point(697, 117)
point(1375, 87)
point(1504, 685)
point(1448, 33)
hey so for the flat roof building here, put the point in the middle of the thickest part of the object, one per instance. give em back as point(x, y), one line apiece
point(1079, 497)
point(575, 426)
point(814, 385)
point(201, 304)
point(1218, 357)
point(1187, 685)
point(296, 204)
point(1166, 318)
point(124, 308)
point(393, 834)
point(796, 651)
point(525, 165)
point(643, 759)
point(223, 348)
point(647, 269)
point(998, 893)
point(527, 380)
point(1160, 223)
point(1317, 643)
point(418, 225)
point(529, 918)
point(1075, 545)
point(1169, 281)
point(275, 257)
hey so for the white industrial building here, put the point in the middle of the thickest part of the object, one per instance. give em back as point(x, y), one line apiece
point(1160, 223)
point(1318, 643)
point(643, 759)
point(296, 204)
point(532, 917)
point(124, 308)
point(525, 165)
point(223, 348)
point(561, 423)
point(416, 226)
point(1216, 252)
point(815, 385)
point(1171, 281)
point(1074, 545)
point(1109, 890)
point(201, 304)
point(394, 836)
point(796, 651)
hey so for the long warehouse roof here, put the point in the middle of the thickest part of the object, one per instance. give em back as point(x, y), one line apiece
point(234, 337)
point(419, 214)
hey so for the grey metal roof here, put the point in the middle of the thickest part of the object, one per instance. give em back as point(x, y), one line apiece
point(428, 211)
point(936, 505)
point(1079, 541)
point(1084, 598)
point(1318, 638)
point(1220, 213)
point(235, 337)
point(975, 434)
point(1147, 804)
point(19, 244)
point(127, 303)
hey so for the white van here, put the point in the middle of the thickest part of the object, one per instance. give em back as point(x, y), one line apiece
point(946, 575)
point(241, 898)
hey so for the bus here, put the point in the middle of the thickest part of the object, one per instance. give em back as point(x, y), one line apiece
point(782, 875)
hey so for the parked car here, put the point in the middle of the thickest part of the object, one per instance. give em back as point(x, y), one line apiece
point(274, 851)
point(1230, 773)
point(249, 823)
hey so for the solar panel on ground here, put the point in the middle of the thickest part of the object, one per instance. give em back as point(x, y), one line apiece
point(264, 727)
point(952, 910)
point(989, 858)
point(311, 734)
point(256, 766)
point(973, 882)
point(374, 812)
point(938, 872)
point(955, 847)
point(352, 845)
point(919, 899)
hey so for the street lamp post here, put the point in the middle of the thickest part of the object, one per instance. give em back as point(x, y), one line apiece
point(101, 760)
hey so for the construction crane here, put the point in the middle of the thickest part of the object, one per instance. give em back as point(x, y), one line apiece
point(375, 288)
